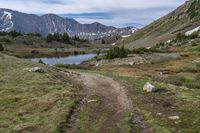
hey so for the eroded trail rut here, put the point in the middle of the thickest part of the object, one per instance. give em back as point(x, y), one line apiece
point(112, 99)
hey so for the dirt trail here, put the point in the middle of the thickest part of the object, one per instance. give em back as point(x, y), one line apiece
point(114, 100)
point(104, 107)
point(106, 87)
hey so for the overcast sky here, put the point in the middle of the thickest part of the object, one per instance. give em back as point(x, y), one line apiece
point(118, 13)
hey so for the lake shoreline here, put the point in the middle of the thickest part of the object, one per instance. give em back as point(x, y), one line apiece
point(66, 60)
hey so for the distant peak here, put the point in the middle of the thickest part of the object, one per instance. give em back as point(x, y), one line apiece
point(50, 14)
point(97, 23)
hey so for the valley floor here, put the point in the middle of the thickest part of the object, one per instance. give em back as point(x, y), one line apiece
point(107, 99)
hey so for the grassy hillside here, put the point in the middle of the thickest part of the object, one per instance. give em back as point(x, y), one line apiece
point(184, 18)
point(31, 101)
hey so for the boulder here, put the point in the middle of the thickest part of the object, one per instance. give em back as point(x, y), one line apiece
point(174, 118)
point(148, 87)
point(131, 63)
point(159, 114)
point(36, 69)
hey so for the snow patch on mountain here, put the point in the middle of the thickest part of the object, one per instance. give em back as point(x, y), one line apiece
point(192, 31)
point(7, 21)
point(126, 36)
point(8, 15)
point(134, 30)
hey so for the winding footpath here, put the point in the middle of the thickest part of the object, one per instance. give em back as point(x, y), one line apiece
point(114, 103)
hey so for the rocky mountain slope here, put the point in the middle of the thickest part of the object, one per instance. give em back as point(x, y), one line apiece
point(51, 23)
point(183, 19)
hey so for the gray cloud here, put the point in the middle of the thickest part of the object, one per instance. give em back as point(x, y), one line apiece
point(57, 2)
point(110, 12)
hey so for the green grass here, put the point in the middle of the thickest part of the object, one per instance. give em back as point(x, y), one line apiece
point(170, 100)
point(33, 102)
point(24, 47)
point(127, 123)
point(89, 119)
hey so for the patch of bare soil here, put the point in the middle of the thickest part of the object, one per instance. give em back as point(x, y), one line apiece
point(106, 87)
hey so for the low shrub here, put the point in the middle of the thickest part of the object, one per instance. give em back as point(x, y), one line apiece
point(194, 35)
point(82, 67)
point(35, 51)
point(180, 81)
point(143, 50)
point(1, 47)
point(27, 42)
point(34, 34)
point(6, 40)
point(41, 62)
point(76, 52)
point(192, 84)
point(176, 80)
point(192, 68)
point(180, 37)
point(197, 77)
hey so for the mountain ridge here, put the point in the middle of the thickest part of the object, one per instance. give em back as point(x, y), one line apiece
point(51, 23)
point(166, 27)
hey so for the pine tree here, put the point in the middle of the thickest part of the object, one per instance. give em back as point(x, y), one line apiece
point(1, 47)
point(76, 38)
point(65, 38)
point(56, 37)
point(14, 33)
point(103, 41)
point(49, 38)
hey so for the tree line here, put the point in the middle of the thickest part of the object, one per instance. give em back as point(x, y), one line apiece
point(117, 52)
point(63, 38)
point(15, 33)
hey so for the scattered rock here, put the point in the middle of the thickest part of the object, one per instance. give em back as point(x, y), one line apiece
point(174, 117)
point(65, 73)
point(113, 44)
point(197, 61)
point(177, 122)
point(131, 63)
point(90, 101)
point(169, 41)
point(36, 69)
point(148, 87)
point(148, 48)
point(98, 64)
point(159, 114)
point(164, 71)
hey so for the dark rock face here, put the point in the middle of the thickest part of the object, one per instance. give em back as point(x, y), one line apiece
point(51, 23)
